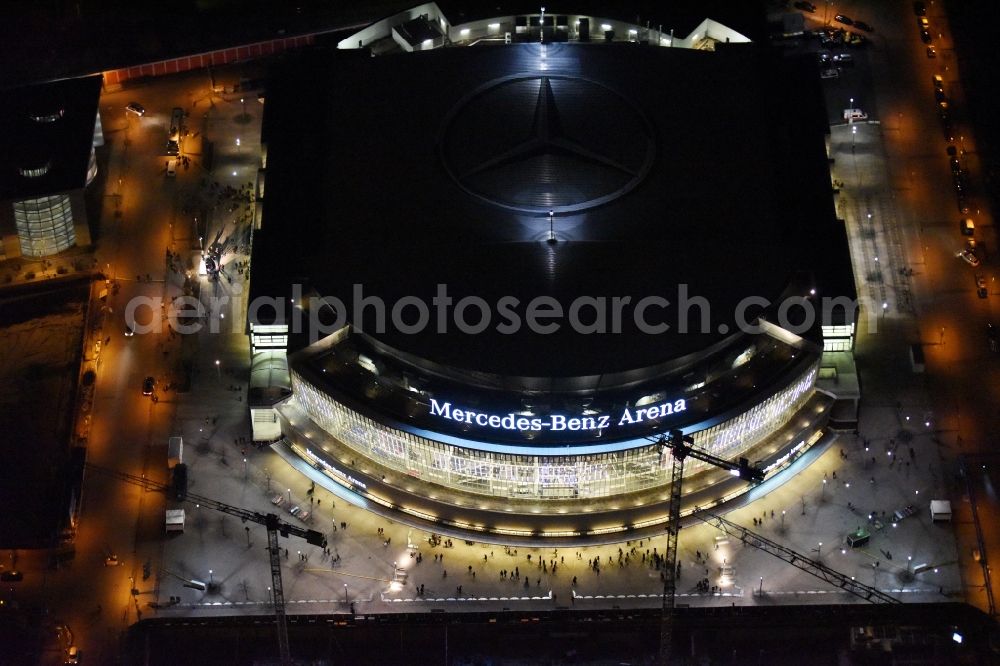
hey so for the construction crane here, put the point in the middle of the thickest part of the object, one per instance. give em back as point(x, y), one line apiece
point(271, 522)
point(680, 447)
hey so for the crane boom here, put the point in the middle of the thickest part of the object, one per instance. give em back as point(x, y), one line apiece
point(270, 521)
point(797, 560)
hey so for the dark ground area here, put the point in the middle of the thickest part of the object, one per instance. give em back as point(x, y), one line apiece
point(41, 328)
point(975, 27)
point(917, 634)
point(45, 40)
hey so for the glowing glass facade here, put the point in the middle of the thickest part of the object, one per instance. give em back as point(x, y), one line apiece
point(45, 225)
point(583, 475)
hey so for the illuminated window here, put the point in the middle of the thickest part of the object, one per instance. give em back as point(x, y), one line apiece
point(36, 171)
point(44, 225)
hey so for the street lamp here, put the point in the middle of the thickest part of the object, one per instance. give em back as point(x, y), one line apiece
point(218, 369)
point(244, 469)
point(541, 37)
point(345, 593)
point(760, 592)
point(289, 495)
point(247, 528)
point(822, 492)
point(552, 234)
point(211, 578)
point(782, 519)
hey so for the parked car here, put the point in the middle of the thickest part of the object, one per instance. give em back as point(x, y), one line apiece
point(805, 6)
point(919, 8)
point(148, 384)
point(981, 289)
point(960, 183)
point(136, 108)
point(967, 227)
point(969, 257)
point(844, 59)
point(931, 52)
point(278, 500)
point(947, 130)
point(829, 73)
point(956, 166)
point(925, 36)
point(861, 25)
point(852, 115)
point(923, 23)
point(841, 18)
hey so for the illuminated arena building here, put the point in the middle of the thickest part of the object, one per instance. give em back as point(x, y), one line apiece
point(516, 177)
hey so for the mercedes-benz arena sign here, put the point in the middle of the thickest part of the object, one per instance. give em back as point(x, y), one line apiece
point(629, 179)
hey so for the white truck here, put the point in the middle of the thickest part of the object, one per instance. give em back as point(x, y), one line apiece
point(175, 520)
point(175, 452)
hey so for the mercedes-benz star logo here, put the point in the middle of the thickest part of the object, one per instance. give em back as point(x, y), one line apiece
point(535, 143)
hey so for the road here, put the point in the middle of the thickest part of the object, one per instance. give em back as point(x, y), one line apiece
point(917, 209)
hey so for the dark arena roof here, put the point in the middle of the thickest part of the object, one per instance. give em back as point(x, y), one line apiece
point(48, 129)
point(662, 167)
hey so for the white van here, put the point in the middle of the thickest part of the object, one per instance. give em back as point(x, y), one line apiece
point(850, 115)
point(172, 167)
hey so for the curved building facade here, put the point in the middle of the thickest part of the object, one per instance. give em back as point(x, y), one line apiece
point(571, 470)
